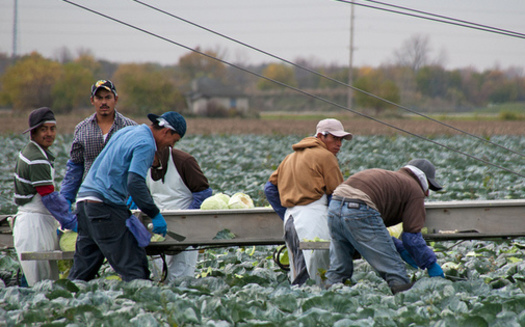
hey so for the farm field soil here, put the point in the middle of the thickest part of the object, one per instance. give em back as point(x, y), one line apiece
point(358, 126)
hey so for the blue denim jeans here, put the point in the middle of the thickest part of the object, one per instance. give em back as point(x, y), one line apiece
point(358, 227)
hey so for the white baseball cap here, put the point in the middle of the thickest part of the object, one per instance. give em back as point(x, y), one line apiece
point(334, 127)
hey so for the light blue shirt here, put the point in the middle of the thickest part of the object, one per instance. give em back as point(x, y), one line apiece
point(131, 149)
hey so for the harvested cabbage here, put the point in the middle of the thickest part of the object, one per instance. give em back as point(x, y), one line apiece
point(396, 230)
point(155, 238)
point(224, 197)
point(240, 201)
point(68, 241)
point(214, 203)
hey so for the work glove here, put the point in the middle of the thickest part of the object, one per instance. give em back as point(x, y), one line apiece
point(159, 225)
point(131, 204)
point(435, 270)
point(408, 259)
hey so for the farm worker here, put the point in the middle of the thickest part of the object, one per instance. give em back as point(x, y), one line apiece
point(365, 205)
point(91, 135)
point(176, 181)
point(40, 208)
point(299, 190)
point(106, 227)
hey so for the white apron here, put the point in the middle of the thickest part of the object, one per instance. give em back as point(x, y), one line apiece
point(35, 229)
point(173, 194)
point(310, 221)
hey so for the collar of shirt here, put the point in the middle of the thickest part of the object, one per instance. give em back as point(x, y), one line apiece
point(420, 176)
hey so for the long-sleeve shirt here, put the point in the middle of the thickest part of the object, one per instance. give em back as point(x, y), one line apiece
point(308, 173)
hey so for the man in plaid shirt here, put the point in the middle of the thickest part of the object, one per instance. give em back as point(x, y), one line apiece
point(91, 135)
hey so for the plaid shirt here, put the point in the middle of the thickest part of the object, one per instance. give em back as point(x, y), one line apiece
point(88, 141)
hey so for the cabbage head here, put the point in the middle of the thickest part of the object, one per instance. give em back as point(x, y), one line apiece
point(68, 241)
point(240, 201)
point(224, 197)
point(214, 203)
point(396, 230)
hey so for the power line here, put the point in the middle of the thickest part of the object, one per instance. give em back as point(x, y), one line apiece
point(449, 18)
point(450, 21)
point(291, 87)
point(323, 76)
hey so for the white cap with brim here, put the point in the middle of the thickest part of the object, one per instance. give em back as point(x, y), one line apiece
point(334, 127)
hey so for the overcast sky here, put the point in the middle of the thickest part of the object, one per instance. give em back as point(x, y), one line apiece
point(317, 30)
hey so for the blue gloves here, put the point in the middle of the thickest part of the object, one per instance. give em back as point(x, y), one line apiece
point(408, 259)
point(159, 225)
point(131, 204)
point(434, 270)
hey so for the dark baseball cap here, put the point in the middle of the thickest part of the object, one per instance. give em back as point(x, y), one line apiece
point(39, 117)
point(430, 172)
point(172, 120)
point(105, 84)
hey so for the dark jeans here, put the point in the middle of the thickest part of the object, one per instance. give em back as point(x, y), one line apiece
point(102, 233)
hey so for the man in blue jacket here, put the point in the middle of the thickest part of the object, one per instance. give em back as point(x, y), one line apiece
point(104, 228)
point(368, 202)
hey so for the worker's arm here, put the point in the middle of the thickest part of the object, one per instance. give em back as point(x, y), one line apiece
point(72, 180)
point(424, 257)
point(139, 191)
point(57, 206)
point(199, 197)
point(272, 195)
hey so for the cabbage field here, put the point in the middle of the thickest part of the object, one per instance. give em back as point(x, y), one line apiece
point(485, 284)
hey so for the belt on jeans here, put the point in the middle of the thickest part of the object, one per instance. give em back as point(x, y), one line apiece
point(352, 203)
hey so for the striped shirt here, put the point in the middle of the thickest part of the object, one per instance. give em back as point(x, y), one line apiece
point(88, 141)
point(34, 167)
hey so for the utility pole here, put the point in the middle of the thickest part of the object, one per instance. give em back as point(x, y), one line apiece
point(350, 65)
point(15, 29)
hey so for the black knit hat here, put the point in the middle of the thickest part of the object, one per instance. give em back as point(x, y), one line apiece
point(40, 116)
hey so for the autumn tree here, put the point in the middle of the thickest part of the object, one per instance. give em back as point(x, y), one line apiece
point(278, 72)
point(28, 84)
point(414, 53)
point(374, 82)
point(145, 88)
point(195, 65)
point(72, 89)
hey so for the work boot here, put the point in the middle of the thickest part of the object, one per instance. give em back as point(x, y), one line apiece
point(401, 288)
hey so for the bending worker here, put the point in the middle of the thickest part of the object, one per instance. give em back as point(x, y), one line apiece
point(106, 228)
point(176, 182)
point(299, 192)
point(361, 210)
point(39, 205)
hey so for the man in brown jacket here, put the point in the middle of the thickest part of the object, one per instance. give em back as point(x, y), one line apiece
point(365, 205)
point(299, 191)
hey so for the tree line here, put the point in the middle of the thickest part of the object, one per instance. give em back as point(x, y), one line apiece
point(32, 81)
